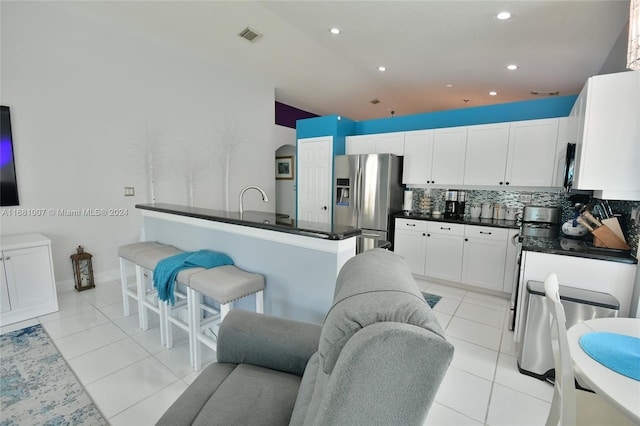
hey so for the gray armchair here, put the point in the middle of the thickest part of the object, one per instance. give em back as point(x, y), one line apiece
point(378, 359)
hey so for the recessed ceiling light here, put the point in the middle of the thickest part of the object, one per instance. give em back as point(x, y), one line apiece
point(382, 68)
point(335, 31)
point(503, 16)
point(449, 85)
point(512, 67)
point(493, 93)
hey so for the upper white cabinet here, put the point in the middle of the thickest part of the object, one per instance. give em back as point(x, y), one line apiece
point(520, 153)
point(532, 152)
point(486, 154)
point(604, 125)
point(434, 156)
point(381, 143)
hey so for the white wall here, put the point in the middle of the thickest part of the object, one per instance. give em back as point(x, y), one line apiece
point(88, 98)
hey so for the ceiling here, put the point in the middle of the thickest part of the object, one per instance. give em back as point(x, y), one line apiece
point(425, 46)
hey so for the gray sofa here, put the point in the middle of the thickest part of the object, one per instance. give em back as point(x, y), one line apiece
point(378, 359)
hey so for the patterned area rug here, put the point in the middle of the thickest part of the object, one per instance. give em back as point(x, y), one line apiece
point(37, 387)
point(431, 299)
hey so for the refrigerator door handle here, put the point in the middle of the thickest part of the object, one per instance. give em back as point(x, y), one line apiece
point(358, 190)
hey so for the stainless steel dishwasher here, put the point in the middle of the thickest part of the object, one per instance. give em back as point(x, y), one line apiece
point(536, 356)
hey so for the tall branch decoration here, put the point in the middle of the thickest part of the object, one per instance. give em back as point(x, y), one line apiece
point(194, 166)
point(230, 139)
point(151, 153)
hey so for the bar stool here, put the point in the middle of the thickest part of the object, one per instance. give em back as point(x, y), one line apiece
point(224, 284)
point(127, 254)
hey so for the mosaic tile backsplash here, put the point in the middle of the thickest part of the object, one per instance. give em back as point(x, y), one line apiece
point(511, 199)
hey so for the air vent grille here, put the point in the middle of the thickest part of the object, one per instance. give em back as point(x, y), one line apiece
point(375, 101)
point(249, 34)
point(545, 92)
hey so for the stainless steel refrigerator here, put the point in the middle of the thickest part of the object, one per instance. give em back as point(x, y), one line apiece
point(367, 192)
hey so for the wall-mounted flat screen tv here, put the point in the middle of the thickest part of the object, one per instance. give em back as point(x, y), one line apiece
point(8, 182)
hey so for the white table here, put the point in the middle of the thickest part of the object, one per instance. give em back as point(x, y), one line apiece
point(620, 391)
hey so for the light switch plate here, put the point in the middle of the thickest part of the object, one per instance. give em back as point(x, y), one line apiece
point(129, 191)
point(525, 198)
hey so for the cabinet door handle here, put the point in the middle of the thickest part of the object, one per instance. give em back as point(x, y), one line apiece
point(445, 229)
point(488, 233)
point(410, 224)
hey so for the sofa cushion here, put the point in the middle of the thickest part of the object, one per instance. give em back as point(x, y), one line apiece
point(375, 286)
point(251, 395)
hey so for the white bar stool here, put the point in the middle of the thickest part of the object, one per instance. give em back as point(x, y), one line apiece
point(147, 260)
point(127, 254)
point(224, 284)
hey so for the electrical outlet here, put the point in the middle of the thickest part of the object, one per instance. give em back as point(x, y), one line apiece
point(129, 191)
point(525, 198)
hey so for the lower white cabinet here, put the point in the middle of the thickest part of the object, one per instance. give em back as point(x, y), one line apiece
point(485, 251)
point(444, 251)
point(479, 256)
point(27, 280)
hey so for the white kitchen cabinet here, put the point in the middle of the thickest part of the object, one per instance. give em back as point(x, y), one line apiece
point(486, 155)
point(380, 143)
point(444, 251)
point(449, 150)
point(28, 283)
point(478, 256)
point(485, 251)
point(531, 152)
point(410, 242)
point(418, 157)
point(432, 249)
point(434, 156)
point(605, 127)
point(519, 153)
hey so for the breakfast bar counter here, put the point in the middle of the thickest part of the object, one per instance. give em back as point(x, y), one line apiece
point(299, 260)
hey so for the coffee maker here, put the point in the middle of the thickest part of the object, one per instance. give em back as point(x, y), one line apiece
point(451, 204)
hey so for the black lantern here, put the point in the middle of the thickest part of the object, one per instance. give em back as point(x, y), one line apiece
point(82, 270)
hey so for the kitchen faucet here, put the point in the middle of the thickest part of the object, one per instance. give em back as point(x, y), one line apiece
point(257, 188)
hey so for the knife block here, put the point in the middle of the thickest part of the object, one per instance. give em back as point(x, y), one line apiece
point(605, 237)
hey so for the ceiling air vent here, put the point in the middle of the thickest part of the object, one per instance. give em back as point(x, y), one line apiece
point(375, 101)
point(249, 34)
point(545, 92)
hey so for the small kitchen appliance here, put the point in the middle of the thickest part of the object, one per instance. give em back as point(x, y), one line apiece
point(486, 211)
point(451, 204)
point(462, 199)
point(475, 210)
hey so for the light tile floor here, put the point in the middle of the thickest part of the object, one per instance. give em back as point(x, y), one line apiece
point(133, 379)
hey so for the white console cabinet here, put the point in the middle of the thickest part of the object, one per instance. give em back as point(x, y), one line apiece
point(28, 288)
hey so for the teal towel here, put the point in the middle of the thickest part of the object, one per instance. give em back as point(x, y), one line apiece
point(618, 352)
point(167, 270)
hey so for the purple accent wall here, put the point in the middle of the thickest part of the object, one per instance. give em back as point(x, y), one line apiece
point(287, 115)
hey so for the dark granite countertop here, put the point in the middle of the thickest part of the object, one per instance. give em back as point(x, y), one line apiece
point(496, 223)
point(256, 219)
point(575, 247)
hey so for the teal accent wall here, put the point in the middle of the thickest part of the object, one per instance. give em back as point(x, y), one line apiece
point(514, 111)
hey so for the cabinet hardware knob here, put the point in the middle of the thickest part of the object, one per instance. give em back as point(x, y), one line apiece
point(423, 234)
point(324, 207)
point(501, 183)
point(466, 239)
point(7, 258)
point(507, 183)
point(428, 235)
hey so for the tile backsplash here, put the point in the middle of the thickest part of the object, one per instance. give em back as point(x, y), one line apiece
point(512, 199)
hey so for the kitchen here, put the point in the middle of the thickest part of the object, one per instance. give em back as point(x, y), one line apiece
point(111, 159)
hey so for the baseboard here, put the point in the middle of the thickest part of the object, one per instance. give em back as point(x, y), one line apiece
point(100, 277)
